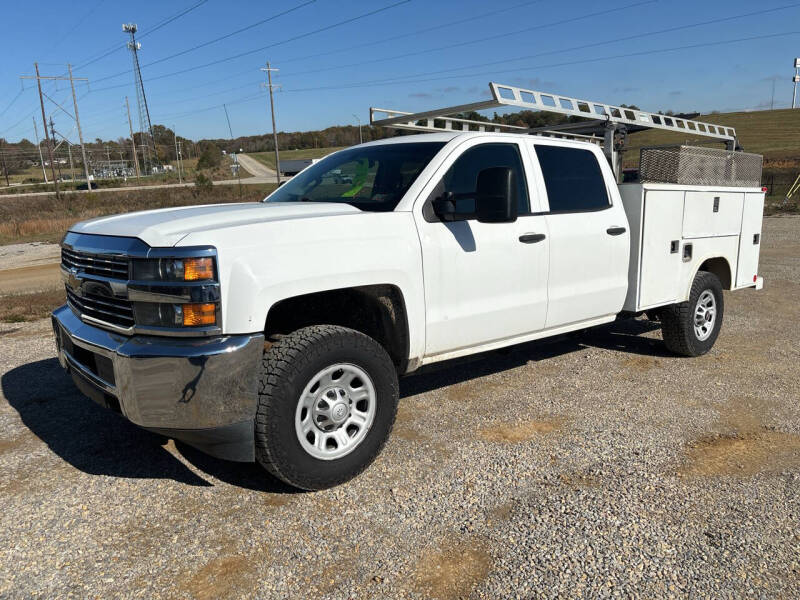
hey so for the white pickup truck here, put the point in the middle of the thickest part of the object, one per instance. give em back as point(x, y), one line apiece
point(276, 331)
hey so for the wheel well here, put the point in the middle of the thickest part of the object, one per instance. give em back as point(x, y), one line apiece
point(375, 310)
point(719, 267)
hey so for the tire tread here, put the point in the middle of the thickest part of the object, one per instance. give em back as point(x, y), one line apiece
point(677, 329)
point(280, 364)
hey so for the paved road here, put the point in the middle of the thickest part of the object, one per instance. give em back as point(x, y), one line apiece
point(597, 465)
point(256, 168)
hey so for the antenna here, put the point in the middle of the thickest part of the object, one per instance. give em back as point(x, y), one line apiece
point(148, 140)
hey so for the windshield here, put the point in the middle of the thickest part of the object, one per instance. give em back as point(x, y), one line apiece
point(371, 178)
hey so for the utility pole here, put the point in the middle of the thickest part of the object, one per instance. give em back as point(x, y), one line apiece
point(360, 137)
point(5, 168)
point(72, 81)
point(53, 137)
point(108, 161)
point(180, 156)
point(236, 166)
point(772, 100)
point(78, 122)
point(39, 146)
point(46, 135)
point(133, 142)
point(71, 169)
point(795, 80)
point(268, 69)
point(177, 157)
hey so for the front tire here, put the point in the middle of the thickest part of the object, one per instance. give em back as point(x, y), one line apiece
point(691, 328)
point(326, 406)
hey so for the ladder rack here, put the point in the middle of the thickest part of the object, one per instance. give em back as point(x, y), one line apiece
point(604, 124)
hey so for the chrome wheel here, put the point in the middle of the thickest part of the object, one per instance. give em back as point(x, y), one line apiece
point(705, 315)
point(335, 411)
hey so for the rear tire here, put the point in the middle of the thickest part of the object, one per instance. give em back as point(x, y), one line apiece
point(691, 328)
point(326, 406)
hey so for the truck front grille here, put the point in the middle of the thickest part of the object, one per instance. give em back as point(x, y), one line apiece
point(107, 309)
point(105, 265)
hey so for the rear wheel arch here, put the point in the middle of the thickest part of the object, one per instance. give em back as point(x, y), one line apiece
point(719, 266)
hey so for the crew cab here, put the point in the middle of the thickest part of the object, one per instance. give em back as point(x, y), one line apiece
point(276, 331)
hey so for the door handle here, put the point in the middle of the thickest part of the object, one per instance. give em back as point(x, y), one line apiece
point(531, 238)
point(615, 230)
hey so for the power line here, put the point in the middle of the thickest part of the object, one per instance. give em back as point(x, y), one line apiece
point(515, 70)
point(478, 40)
point(249, 71)
point(573, 48)
point(10, 104)
point(169, 20)
point(528, 29)
point(505, 60)
point(231, 34)
point(116, 47)
point(415, 32)
point(262, 48)
point(74, 27)
point(27, 116)
point(357, 46)
point(407, 78)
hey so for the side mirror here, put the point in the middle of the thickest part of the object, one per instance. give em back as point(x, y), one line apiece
point(445, 207)
point(496, 195)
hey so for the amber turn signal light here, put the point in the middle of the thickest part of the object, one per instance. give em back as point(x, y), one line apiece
point(198, 315)
point(196, 269)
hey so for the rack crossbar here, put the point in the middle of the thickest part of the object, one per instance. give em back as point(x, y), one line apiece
point(508, 95)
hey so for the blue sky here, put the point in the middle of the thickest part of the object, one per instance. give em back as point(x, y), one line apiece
point(337, 59)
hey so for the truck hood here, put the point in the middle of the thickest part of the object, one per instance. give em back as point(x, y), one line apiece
point(167, 226)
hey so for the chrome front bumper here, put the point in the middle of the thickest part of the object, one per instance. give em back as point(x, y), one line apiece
point(199, 390)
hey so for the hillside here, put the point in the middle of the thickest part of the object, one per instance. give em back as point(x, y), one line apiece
point(773, 133)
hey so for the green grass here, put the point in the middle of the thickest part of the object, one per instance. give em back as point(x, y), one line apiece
point(268, 158)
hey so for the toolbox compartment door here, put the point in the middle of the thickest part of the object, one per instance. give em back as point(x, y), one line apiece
point(750, 240)
point(660, 273)
point(712, 214)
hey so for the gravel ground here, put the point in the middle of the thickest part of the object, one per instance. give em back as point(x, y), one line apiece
point(596, 465)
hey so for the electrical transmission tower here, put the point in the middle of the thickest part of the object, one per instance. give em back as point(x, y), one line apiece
point(148, 142)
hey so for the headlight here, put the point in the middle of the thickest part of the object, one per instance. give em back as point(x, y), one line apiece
point(158, 314)
point(174, 269)
point(175, 293)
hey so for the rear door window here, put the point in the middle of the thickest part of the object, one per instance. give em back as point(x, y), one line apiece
point(573, 179)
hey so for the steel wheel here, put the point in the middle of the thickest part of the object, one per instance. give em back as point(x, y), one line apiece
point(705, 315)
point(335, 411)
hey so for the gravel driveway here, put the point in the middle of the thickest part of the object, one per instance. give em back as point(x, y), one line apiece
point(595, 465)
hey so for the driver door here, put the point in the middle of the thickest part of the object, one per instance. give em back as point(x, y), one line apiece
point(484, 282)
